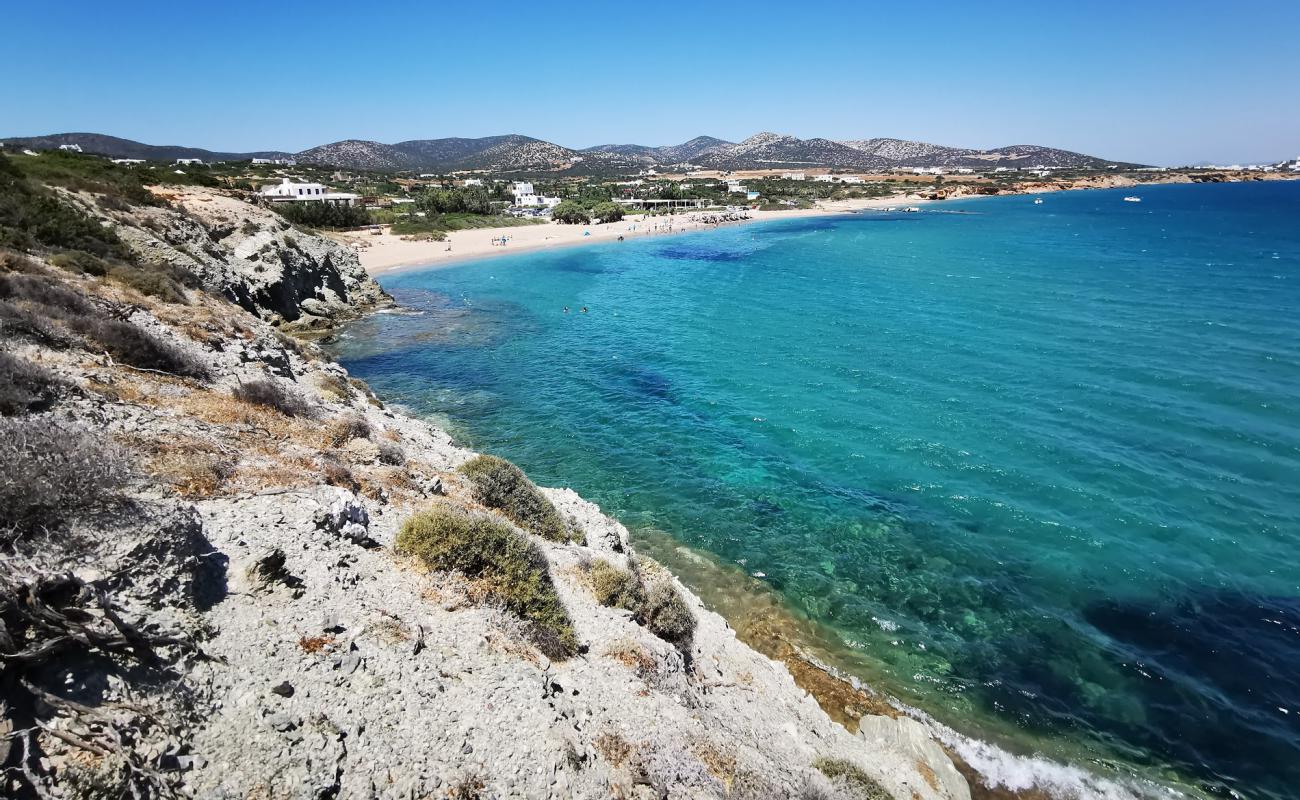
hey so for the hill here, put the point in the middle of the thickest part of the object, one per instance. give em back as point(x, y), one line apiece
point(525, 154)
point(115, 147)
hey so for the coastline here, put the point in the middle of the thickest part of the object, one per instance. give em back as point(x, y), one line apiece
point(388, 253)
point(991, 766)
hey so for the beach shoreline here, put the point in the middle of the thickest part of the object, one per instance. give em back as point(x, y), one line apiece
point(388, 253)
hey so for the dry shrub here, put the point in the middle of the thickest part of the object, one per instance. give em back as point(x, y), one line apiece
point(50, 473)
point(391, 454)
point(333, 386)
point(345, 429)
point(336, 474)
point(508, 564)
point(470, 787)
point(132, 345)
point(25, 386)
point(501, 485)
point(268, 393)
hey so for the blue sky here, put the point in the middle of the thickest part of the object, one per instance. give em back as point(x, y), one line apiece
point(1157, 82)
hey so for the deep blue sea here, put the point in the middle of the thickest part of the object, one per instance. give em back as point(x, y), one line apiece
point(1036, 466)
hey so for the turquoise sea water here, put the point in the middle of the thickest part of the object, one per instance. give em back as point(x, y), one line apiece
point(1039, 465)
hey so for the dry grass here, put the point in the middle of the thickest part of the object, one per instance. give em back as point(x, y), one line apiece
point(613, 748)
point(333, 386)
point(633, 656)
point(192, 468)
point(850, 776)
point(344, 429)
point(316, 644)
point(927, 773)
point(719, 763)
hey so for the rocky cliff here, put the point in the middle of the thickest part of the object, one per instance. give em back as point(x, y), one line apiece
point(247, 253)
point(201, 594)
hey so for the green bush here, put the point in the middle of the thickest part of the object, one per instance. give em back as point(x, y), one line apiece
point(667, 616)
point(513, 568)
point(25, 386)
point(570, 213)
point(154, 283)
point(616, 587)
point(607, 212)
point(32, 216)
point(501, 485)
point(323, 215)
point(852, 778)
point(81, 263)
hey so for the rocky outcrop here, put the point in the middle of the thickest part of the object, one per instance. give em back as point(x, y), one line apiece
point(249, 254)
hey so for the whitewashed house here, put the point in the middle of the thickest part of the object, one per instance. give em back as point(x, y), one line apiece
point(72, 148)
point(793, 176)
point(183, 162)
point(527, 198)
point(288, 191)
point(283, 162)
point(127, 162)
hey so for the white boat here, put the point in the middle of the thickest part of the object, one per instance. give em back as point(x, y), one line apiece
point(1038, 201)
point(911, 209)
point(1132, 199)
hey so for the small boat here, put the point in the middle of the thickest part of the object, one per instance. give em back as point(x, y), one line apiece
point(911, 209)
point(1132, 199)
point(1038, 201)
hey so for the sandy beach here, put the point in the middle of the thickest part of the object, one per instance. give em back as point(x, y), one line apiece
point(386, 252)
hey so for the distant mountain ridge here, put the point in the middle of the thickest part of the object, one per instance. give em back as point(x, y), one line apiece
point(525, 154)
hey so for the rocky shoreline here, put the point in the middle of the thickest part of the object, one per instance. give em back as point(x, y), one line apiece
point(221, 611)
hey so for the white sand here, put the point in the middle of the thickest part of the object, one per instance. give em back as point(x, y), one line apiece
point(387, 252)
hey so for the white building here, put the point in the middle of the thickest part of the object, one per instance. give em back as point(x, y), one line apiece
point(283, 162)
point(852, 179)
point(127, 162)
point(289, 192)
point(73, 148)
point(472, 182)
point(526, 197)
point(827, 178)
point(182, 162)
point(793, 176)
point(531, 200)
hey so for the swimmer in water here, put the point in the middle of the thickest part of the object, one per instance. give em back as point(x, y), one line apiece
point(584, 309)
point(566, 309)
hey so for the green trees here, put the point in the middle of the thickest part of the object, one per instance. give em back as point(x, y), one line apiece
point(607, 212)
point(323, 215)
point(469, 199)
point(570, 213)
